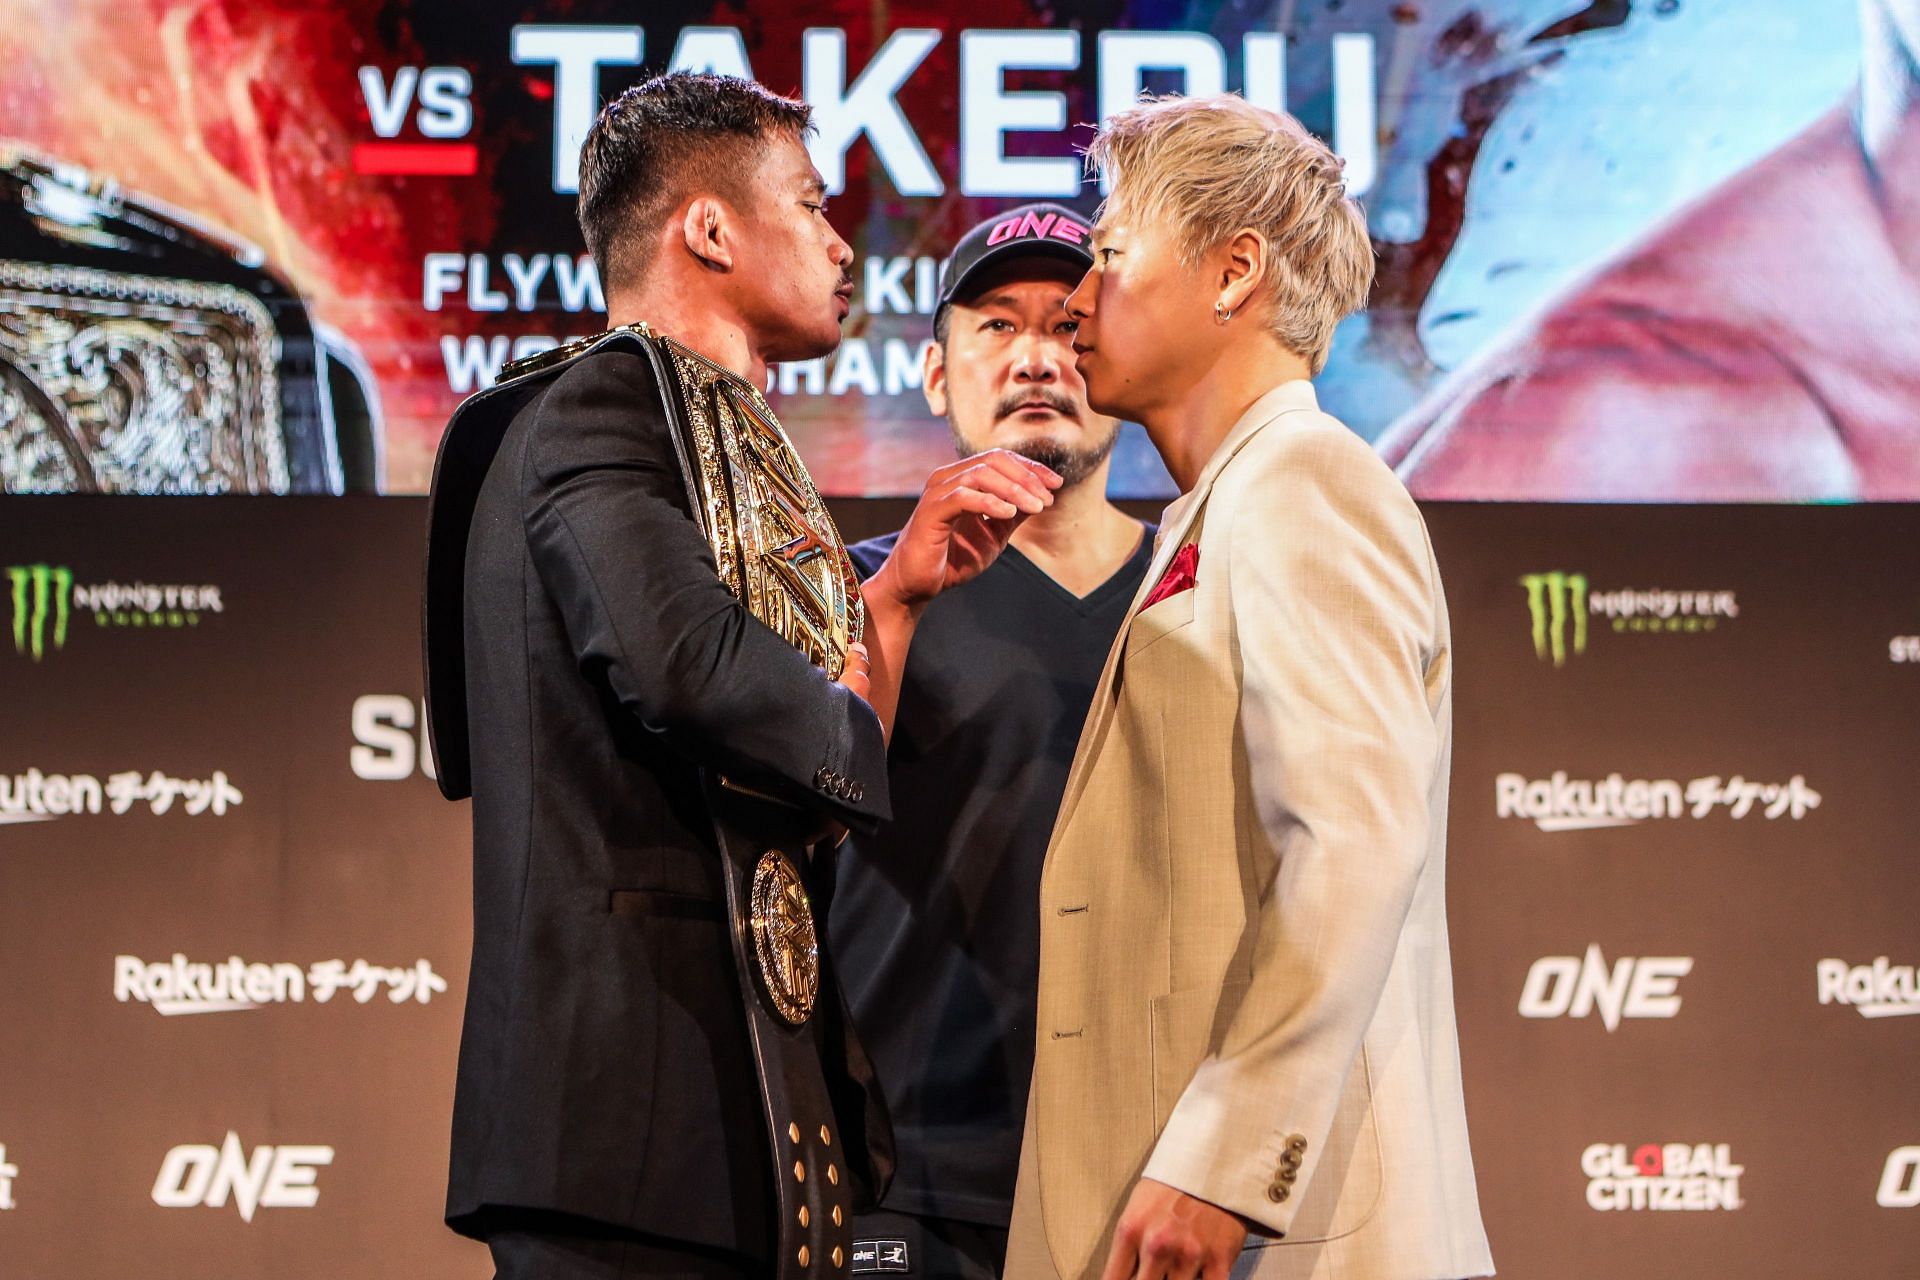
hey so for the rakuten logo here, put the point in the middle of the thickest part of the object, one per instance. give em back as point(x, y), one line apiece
point(271, 1178)
point(1561, 803)
point(1900, 1180)
point(1575, 986)
point(1674, 1177)
point(181, 986)
point(1877, 990)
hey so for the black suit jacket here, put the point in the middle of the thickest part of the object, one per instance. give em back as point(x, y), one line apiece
point(604, 1066)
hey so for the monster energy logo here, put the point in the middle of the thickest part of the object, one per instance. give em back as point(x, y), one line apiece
point(46, 596)
point(41, 594)
point(1552, 598)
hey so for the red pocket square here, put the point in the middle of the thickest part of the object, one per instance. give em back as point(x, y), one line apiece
point(1180, 575)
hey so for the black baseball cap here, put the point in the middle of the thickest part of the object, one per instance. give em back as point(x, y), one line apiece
point(1032, 230)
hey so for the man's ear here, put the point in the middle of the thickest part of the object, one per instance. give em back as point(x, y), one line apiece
point(933, 379)
point(707, 228)
point(1243, 267)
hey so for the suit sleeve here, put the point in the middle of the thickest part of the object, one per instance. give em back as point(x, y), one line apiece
point(646, 614)
point(1335, 612)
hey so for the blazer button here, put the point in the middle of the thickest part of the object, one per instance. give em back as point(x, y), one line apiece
point(820, 777)
point(1296, 1143)
point(1279, 1192)
point(859, 792)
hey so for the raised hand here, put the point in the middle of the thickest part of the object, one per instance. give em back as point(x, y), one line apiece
point(964, 518)
point(968, 511)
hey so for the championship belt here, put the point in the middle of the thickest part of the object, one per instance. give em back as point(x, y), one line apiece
point(777, 551)
point(142, 351)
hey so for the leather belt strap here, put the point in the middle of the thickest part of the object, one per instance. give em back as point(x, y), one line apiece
point(812, 1176)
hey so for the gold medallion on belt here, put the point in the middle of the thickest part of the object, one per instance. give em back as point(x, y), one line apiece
point(783, 937)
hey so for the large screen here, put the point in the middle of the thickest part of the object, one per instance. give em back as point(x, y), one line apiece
point(1641, 250)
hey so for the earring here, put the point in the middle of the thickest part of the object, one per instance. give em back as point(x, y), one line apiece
point(1220, 313)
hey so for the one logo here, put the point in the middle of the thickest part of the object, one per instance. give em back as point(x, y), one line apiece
point(34, 796)
point(871, 1256)
point(1561, 606)
point(1904, 649)
point(45, 597)
point(1577, 986)
point(1900, 1180)
point(1674, 1177)
point(180, 986)
point(1561, 803)
point(8, 1172)
point(1877, 990)
point(270, 1178)
point(1032, 225)
point(42, 597)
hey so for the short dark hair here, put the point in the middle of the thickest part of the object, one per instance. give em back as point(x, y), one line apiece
point(943, 325)
point(654, 143)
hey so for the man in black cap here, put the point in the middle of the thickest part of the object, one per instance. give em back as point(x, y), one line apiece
point(934, 919)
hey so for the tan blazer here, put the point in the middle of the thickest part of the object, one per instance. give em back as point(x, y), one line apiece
point(1245, 989)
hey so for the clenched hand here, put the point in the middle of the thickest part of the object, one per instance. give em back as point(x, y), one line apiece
point(1165, 1234)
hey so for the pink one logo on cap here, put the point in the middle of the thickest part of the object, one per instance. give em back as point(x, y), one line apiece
point(1038, 226)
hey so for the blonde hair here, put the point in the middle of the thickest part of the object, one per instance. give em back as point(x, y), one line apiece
point(1208, 167)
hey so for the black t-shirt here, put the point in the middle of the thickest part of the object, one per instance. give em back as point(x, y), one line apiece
point(935, 919)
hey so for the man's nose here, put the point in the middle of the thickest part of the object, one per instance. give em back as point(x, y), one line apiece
point(1036, 359)
point(1079, 303)
point(841, 252)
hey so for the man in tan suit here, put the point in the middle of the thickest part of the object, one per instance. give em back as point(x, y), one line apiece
point(1246, 1058)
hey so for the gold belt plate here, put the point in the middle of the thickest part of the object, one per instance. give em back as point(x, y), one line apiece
point(784, 939)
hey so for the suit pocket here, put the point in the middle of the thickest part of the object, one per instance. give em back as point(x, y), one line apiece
point(657, 903)
point(1183, 1035)
point(1152, 625)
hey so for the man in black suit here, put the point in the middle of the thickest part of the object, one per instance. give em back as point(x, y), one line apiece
point(607, 1115)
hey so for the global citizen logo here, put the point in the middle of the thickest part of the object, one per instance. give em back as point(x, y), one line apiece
point(45, 599)
point(284, 1177)
point(1900, 1180)
point(1877, 990)
point(34, 796)
point(181, 986)
point(1562, 606)
point(1631, 987)
point(1673, 1177)
point(1562, 803)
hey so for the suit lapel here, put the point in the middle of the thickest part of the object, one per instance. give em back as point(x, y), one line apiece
point(1178, 523)
point(1171, 536)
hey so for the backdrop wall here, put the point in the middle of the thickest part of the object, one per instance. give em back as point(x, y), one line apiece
point(234, 909)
